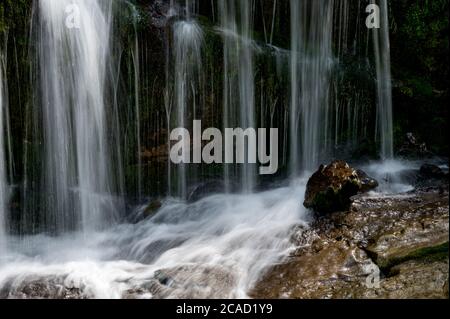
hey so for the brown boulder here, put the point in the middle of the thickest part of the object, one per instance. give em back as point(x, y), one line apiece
point(330, 188)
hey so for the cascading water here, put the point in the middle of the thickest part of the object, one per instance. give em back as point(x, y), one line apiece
point(188, 38)
point(236, 18)
point(137, 108)
point(311, 61)
point(74, 54)
point(384, 83)
point(312, 112)
point(219, 245)
point(214, 248)
point(3, 167)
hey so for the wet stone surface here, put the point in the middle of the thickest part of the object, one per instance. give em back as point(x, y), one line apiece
point(404, 238)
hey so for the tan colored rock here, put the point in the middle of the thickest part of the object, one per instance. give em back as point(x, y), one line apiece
point(406, 235)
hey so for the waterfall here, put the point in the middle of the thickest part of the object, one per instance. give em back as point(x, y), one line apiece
point(74, 56)
point(350, 120)
point(188, 38)
point(236, 20)
point(137, 107)
point(384, 83)
point(3, 166)
point(311, 60)
point(109, 82)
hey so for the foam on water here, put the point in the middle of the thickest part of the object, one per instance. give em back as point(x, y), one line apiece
point(235, 236)
point(393, 175)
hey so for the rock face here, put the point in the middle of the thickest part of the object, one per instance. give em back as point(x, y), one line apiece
point(187, 282)
point(152, 208)
point(205, 189)
point(412, 148)
point(431, 175)
point(46, 287)
point(402, 240)
point(330, 188)
point(432, 171)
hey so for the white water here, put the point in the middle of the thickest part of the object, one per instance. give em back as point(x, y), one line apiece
point(74, 55)
point(224, 241)
point(311, 60)
point(392, 175)
point(3, 167)
point(188, 40)
point(384, 84)
point(236, 22)
point(223, 236)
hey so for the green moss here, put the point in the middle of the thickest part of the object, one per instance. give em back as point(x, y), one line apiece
point(426, 254)
point(13, 13)
point(419, 44)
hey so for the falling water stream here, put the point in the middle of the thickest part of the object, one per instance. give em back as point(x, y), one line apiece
point(239, 92)
point(74, 56)
point(188, 38)
point(311, 59)
point(3, 167)
point(384, 83)
point(217, 246)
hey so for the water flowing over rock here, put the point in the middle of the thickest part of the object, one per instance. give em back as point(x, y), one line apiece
point(188, 282)
point(332, 186)
point(51, 287)
point(403, 238)
point(93, 206)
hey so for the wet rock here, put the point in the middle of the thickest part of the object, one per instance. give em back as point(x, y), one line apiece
point(415, 279)
point(188, 282)
point(402, 240)
point(202, 190)
point(432, 176)
point(330, 188)
point(157, 12)
point(32, 287)
point(152, 208)
point(367, 183)
point(317, 273)
point(427, 238)
point(412, 148)
point(431, 171)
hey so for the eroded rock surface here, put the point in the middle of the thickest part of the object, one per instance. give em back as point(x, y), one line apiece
point(188, 282)
point(42, 287)
point(402, 238)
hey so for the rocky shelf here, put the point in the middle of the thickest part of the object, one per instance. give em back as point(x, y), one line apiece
point(403, 238)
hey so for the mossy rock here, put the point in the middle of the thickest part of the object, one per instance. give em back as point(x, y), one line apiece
point(397, 255)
